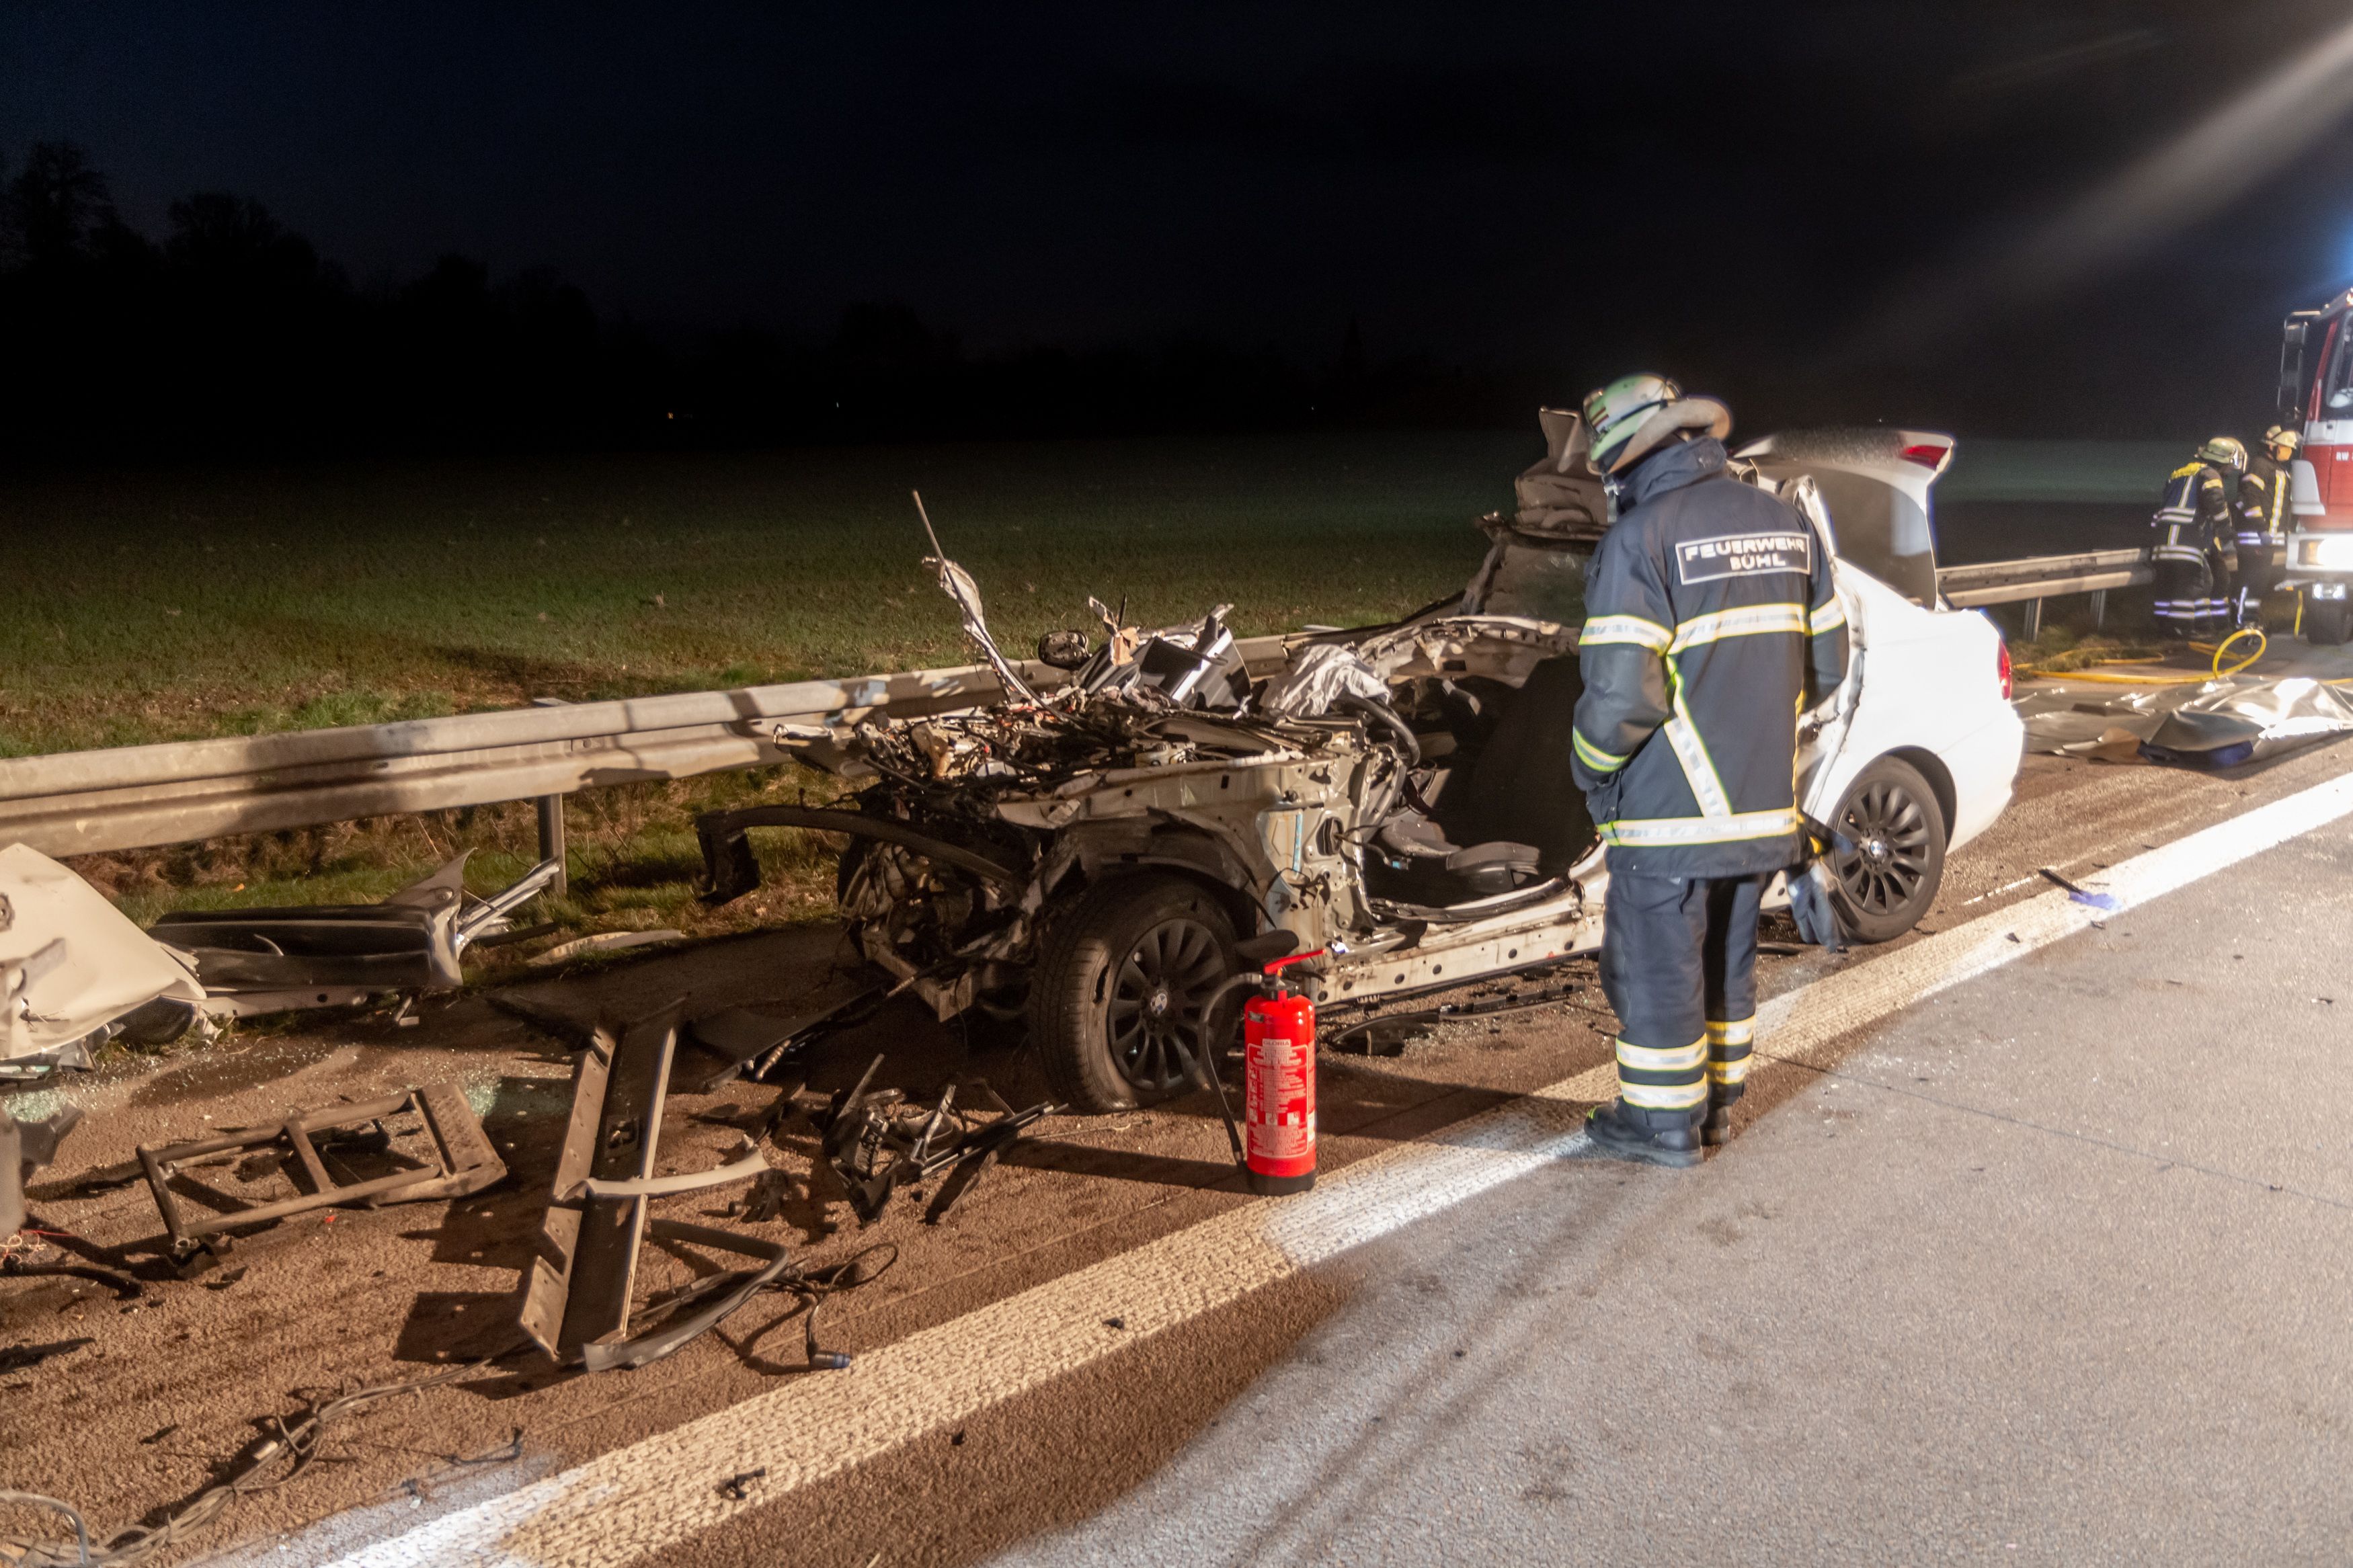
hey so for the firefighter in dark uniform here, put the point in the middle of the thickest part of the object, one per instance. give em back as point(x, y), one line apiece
point(2262, 521)
point(1711, 621)
point(2192, 557)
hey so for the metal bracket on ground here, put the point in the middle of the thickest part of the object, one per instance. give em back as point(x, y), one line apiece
point(578, 1304)
point(464, 1163)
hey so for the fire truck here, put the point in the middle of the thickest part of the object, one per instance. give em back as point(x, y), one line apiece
point(2315, 398)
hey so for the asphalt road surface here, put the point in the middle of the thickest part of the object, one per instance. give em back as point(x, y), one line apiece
point(2026, 1247)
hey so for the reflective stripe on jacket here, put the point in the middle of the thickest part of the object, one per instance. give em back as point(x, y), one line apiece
point(1710, 618)
point(2195, 515)
point(2263, 502)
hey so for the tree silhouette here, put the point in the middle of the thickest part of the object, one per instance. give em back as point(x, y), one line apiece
point(233, 335)
point(58, 207)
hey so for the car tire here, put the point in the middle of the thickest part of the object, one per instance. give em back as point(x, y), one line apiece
point(2327, 622)
point(157, 1023)
point(1126, 975)
point(1887, 858)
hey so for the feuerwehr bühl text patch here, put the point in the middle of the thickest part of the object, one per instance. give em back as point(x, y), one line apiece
point(1743, 556)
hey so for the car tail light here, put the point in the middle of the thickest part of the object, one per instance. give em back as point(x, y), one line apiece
point(1927, 457)
point(2002, 667)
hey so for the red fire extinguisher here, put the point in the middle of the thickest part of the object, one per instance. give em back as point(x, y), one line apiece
point(1279, 1085)
point(1278, 1071)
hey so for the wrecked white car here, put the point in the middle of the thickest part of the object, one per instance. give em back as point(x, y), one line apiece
point(1086, 853)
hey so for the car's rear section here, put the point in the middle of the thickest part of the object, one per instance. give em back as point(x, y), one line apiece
point(1920, 754)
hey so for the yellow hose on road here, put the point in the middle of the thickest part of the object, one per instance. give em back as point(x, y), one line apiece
point(2120, 680)
point(2222, 652)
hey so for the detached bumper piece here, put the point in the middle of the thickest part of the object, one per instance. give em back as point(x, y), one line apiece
point(463, 1162)
point(271, 961)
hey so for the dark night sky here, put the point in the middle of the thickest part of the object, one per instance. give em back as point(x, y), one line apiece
point(1805, 206)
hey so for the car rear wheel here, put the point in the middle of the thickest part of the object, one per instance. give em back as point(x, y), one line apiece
point(1887, 858)
point(1121, 992)
point(2327, 622)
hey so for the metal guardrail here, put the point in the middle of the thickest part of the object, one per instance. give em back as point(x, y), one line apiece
point(132, 797)
point(2043, 577)
point(2039, 577)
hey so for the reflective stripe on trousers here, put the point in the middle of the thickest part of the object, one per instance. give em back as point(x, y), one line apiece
point(1729, 1044)
point(1679, 963)
point(1674, 1079)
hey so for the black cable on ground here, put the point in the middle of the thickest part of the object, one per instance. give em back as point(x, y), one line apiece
point(293, 1446)
point(290, 1449)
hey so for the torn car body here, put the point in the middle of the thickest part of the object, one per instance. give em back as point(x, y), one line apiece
point(1396, 797)
point(321, 955)
point(73, 969)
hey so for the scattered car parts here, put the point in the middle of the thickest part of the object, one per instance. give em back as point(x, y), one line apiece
point(737, 1040)
point(26, 1145)
point(461, 1162)
point(578, 1299)
point(72, 968)
point(322, 955)
point(876, 1144)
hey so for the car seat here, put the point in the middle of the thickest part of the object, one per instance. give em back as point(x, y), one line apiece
point(1516, 806)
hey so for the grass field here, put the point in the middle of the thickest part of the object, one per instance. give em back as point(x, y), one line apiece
point(173, 605)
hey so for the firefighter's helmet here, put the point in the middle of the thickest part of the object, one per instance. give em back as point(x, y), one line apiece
point(1631, 415)
point(2225, 452)
point(2283, 443)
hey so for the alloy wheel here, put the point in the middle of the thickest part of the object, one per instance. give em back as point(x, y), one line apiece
point(1885, 839)
point(1157, 1001)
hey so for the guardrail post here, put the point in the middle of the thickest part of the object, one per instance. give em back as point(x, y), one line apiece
point(551, 841)
point(2033, 619)
point(2099, 608)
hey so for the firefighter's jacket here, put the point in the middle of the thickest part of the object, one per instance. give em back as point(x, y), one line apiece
point(2264, 512)
point(2194, 519)
point(1711, 621)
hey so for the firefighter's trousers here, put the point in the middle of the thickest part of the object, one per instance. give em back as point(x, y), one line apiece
point(2261, 563)
point(1679, 965)
point(2193, 591)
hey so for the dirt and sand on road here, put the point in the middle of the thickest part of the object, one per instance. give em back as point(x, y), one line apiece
point(170, 1386)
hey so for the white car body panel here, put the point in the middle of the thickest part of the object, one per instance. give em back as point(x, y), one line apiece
point(1928, 686)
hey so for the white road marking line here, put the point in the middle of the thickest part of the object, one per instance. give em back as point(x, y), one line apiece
point(638, 1501)
point(1996, 892)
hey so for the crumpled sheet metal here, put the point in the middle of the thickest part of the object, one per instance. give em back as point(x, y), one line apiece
point(70, 962)
point(1505, 648)
point(1320, 675)
point(2216, 724)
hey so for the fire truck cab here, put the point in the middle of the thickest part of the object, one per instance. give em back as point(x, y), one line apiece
point(2316, 399)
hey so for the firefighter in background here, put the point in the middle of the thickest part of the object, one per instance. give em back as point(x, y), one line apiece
point(2192, 558)
point(2263, 521)
point(1711, 621)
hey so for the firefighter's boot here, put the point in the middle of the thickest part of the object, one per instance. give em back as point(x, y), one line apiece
point(1630, 1133)
point(1716, 1127)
